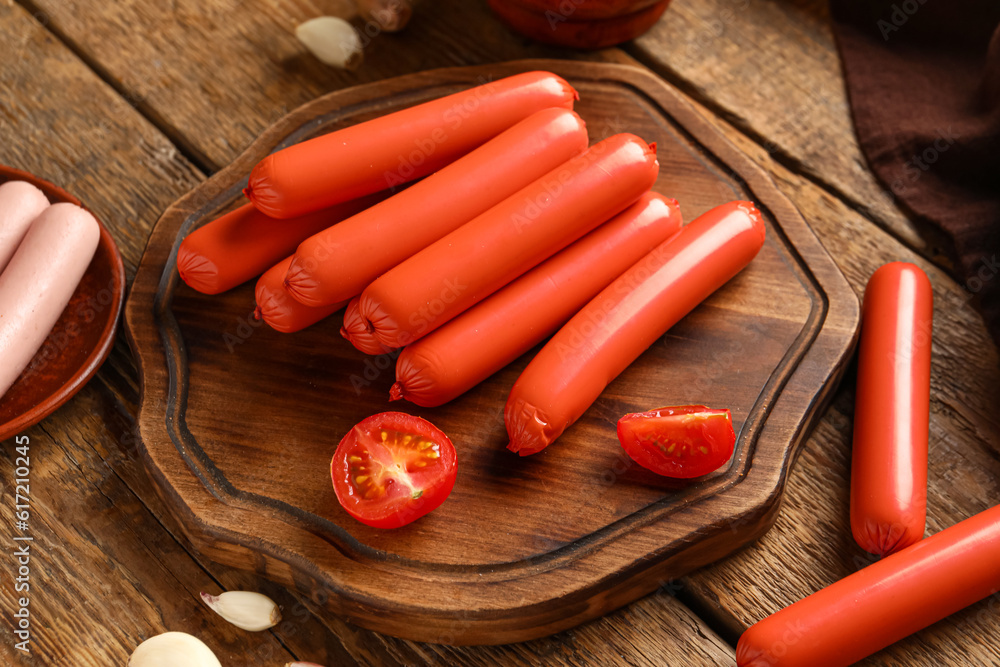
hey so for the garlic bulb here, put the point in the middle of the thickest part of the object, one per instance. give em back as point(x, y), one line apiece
point(173, 649)
point(332, 40)
point(244, 609)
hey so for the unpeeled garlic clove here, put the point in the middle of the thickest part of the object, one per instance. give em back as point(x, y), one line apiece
point(332, 40)
point(390, 15)
point(173, 649)
point(245, 609)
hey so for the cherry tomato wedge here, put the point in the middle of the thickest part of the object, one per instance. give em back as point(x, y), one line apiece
point(392, 468)
point(681, 441)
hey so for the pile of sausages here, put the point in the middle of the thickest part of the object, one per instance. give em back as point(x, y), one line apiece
point(44, 251)
point(516, 230)
point(460, 233)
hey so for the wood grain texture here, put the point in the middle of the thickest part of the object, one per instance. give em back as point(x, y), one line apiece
point(81, 338)
point(772, 69)
point(502, 570)
point(111, 567)
point(101, 566)
point(811, 544)
point(51, 126)
point(170, 54)
point(104, 573)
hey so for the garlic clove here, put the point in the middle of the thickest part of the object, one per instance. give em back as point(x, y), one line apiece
point(389, 15)
point(302, 664)
point(332, 40)
point(245, 609)
point(173, 649)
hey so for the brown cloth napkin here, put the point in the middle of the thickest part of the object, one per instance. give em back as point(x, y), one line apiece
point(923, 78)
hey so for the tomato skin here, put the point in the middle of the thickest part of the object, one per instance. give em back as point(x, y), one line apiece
point(393, 468)
point(681, 441)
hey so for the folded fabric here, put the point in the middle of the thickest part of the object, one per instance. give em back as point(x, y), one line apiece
point(923, 78)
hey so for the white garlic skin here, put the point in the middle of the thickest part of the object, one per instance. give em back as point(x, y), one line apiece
point(332, 40)
point(244, 609)
point(173, 649)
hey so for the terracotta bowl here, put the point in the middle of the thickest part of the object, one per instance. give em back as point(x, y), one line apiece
point(79, 342)
point(583, 10)
point(580, 24)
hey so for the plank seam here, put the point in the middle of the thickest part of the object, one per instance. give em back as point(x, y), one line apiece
point(185, 148)
point(794, 164)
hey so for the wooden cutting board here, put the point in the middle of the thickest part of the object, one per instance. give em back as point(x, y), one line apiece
point(238, 422)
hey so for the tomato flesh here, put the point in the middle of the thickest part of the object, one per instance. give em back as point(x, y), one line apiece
point(681, 441)
point(392, 468)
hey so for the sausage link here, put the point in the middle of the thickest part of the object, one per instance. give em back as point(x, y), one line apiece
point(891, 410)
point(454, 358)
point(40, 280)
point(398, 147)
point(480, 257)
point(611, 331)
point(20, 203)
point(355, 329)
point(883, 603)
point(340, 262)
point(277, 307)
point(244, 243)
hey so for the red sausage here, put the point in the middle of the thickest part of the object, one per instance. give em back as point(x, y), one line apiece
point(242, 244)
point(892, 409)
point(482, 340)
point(611, 331)
point(883, 603)
point(338, 263)
point(356, 330)
point(20, 203)
point(277, 307)
point(480, 257)
point(398, 147)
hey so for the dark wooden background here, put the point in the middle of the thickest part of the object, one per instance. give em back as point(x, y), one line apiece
point(129, 105)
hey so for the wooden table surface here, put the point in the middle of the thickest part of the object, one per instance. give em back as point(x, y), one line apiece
point(130, 104)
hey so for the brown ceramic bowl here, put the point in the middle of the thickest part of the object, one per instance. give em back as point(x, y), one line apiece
point(582, 10)
point(566, 28)
point(79, 342)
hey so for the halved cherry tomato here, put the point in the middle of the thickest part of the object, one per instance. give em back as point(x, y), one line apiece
point(392, 468)
point(681, 441)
